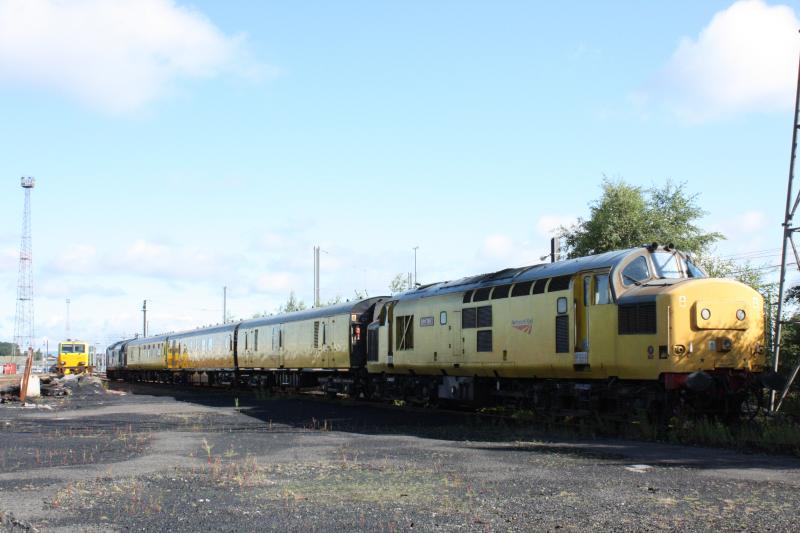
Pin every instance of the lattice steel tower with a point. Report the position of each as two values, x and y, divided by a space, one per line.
23 322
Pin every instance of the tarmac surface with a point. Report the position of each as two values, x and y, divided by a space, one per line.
149 458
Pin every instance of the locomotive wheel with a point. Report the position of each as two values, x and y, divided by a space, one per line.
752 404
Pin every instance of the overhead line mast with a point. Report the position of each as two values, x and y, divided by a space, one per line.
788 232
23 319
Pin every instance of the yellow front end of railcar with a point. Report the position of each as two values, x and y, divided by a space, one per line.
73 357
714 324
703 324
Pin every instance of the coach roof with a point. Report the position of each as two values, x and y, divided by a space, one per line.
356 306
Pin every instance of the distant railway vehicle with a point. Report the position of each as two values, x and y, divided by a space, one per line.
643 327
74 356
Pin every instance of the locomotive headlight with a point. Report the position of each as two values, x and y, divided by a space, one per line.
705 313
740 314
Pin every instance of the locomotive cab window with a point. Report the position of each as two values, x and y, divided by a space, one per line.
668 265
587 289
602 291
636 272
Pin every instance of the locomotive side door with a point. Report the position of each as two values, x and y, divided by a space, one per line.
602 323
595 320
390 331
456 335
582 289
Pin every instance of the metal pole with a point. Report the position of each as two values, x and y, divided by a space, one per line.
316 276
787 235
415 265
225 305
144 319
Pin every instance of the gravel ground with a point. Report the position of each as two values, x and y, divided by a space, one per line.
159 460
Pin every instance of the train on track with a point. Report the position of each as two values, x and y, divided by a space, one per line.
75 357
643 328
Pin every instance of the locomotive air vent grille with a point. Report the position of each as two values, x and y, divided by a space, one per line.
468 318
637 318
485 340
562 334
485 316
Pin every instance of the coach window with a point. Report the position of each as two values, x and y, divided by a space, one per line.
443 318
405 330
602 294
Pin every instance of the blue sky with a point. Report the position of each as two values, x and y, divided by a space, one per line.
183 146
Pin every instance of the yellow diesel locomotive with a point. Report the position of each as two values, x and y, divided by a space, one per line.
595 331
643 326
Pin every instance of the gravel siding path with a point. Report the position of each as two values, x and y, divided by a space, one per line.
153 461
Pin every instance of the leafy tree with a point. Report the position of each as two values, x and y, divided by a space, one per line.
790 336
292 304
399 284
746 273
333 301
627 216
7 348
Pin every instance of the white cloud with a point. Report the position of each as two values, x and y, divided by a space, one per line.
547 224
117 55
8 257
159 260
276 282
502 251
497 245
60 288
744 60
77 259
